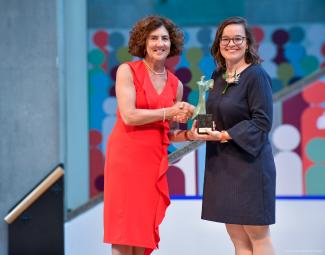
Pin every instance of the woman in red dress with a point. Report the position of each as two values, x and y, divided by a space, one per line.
136 191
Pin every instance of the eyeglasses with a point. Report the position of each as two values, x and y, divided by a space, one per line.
238 40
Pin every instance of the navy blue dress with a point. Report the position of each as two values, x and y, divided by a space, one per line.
239 182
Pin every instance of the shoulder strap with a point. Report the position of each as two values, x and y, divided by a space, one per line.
174 81
137 73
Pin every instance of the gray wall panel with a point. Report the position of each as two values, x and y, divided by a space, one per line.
29 100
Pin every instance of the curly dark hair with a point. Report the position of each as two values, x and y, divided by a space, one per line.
251 54
142 29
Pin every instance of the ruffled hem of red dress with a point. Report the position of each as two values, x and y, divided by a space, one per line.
162 186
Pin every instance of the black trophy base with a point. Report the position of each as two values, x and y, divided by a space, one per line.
204 123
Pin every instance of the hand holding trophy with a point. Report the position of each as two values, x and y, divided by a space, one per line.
204 120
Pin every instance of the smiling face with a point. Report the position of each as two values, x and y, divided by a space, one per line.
233 43
158 44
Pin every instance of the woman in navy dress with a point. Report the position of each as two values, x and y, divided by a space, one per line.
239 183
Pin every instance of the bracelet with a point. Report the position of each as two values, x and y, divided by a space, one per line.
164 114
186 136
223 137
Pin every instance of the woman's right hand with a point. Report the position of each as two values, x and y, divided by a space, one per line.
182 112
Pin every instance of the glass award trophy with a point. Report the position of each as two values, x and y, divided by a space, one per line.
204 120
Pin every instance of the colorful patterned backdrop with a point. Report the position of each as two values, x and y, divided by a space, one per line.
290 52
299 140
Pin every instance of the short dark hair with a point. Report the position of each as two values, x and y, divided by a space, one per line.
142 29
251 54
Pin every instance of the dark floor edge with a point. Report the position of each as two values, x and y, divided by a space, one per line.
93 202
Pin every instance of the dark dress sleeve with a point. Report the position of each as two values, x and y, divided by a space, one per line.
252 134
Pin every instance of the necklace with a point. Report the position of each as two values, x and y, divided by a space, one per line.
153 71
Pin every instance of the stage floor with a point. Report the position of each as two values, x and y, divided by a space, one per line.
300 229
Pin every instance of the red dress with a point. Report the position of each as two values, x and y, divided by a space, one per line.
136 192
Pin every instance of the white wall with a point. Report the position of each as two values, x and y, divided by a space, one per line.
300 229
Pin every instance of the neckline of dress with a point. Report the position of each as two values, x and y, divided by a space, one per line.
153 71
151 83
242 71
